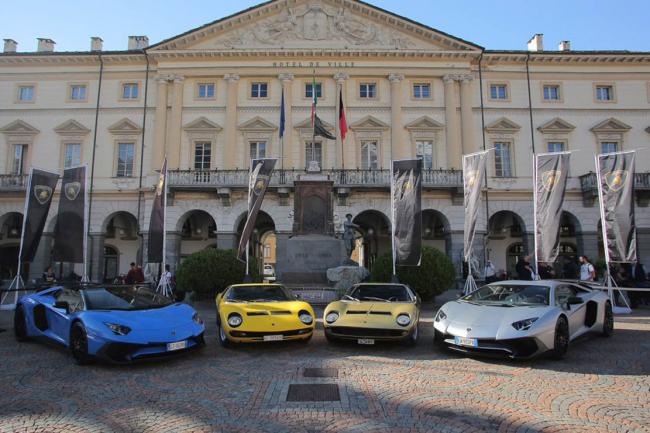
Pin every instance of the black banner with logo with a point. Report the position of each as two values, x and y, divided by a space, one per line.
42 185
156 242
551 173
407 211
260 177
70 221
616 186
473 177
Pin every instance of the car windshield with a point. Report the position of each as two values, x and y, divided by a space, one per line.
380 292
258 294
125 298
509 295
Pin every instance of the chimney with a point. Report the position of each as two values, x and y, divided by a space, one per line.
138 42
564 46
536 43
10 46
45 45
96 43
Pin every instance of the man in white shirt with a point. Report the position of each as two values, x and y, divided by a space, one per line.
587 270
490 272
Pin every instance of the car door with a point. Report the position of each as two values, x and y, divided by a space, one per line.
58 318
576 312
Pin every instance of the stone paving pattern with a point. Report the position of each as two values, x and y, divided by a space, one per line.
602 386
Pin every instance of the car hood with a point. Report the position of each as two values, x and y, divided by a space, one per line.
174 315
259 307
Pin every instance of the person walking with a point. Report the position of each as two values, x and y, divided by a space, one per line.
587 270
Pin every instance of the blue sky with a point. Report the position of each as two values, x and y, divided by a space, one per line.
494 24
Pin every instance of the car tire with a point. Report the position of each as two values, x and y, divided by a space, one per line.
200 341
412 339
608 320
438 338
79 344
20 324
561 338
223 338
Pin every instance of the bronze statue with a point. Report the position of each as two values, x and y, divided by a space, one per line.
349 235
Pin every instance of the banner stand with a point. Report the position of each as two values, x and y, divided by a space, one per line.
17 285
470 282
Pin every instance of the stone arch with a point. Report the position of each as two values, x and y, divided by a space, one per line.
436 230
264 227
373 237
10 231
505 228
198 231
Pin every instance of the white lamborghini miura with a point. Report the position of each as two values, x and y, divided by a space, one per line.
523 319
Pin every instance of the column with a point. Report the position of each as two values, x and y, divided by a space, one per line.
175 124
342 159
160 123
287 160
173 250
398 149
42 258
466 114
588 245
227 240
451 124
231 158
457 240
96 257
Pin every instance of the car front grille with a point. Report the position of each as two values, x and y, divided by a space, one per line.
379 313
349 331
244 334
518 347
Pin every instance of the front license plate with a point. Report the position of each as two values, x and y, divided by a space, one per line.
366 341
179 345
463 341
273 338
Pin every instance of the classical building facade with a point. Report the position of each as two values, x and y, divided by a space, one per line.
210 99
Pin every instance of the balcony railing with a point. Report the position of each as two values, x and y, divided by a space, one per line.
589 182
342 178
13 182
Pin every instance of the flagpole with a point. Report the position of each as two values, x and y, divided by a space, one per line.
313 117
247 276
84 277
392 218
535 159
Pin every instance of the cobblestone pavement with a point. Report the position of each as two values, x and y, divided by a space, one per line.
602 386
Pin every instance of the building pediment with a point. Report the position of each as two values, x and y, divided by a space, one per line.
611 125
306 124
556 126
257 124
425 123
71 127
309 24
369 123
503 125
125 126
19 127
202 124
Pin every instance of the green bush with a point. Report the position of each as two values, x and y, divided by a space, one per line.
211 270
435 274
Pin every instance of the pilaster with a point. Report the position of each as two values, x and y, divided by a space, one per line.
173 250
97 257
230 128
452 131
341 151
466 114
175 123
286 151
160 122
398 148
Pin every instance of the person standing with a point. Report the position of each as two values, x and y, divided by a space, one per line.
587 270
135 275
49 277
570 269
524 271
490 272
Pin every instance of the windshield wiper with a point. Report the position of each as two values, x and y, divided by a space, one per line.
350 298
237 300
372 298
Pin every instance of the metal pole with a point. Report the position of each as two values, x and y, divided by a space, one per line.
92 167
144 127
84 277
392 216
535 215
485 178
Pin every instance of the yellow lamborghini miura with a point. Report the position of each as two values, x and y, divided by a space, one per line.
248 313
371 312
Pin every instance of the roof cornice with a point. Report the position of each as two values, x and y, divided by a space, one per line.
505 56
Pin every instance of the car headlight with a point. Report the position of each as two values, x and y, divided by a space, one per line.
332 317
305 317
197 318
440 316
524 325
403 320
234 320
118 329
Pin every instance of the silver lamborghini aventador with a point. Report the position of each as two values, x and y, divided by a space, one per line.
523 319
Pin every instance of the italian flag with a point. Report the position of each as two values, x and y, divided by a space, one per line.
314 100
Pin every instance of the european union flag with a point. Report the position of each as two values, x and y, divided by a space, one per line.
282 116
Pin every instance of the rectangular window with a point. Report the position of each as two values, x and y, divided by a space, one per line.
552 92
314 154
604 93
202 155
309 90
206 91
499 91
424 151
78 92
71 155
258 149
368 90
502 160
259 90
18 163
125 159
130 91
26 93
556 146
369 155
609 147
422 91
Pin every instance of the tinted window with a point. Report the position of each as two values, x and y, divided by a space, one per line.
392 293
510 295
125 298
258 294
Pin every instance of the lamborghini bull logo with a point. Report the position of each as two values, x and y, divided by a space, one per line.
161 184
616 179
260 184
470 178
550 179
71 190
42 193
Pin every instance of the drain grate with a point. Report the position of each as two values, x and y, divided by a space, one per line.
314 392
320 372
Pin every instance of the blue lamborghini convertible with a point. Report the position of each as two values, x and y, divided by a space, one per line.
119 324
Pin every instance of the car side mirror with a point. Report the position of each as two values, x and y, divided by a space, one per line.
63 305
574 300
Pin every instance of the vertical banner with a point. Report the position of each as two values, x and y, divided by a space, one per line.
616 192
551 174
156 244
70 221
473 178
407 211
260 178
42 185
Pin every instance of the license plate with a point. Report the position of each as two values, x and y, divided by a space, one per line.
179 345
366 341
273 338
463 341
